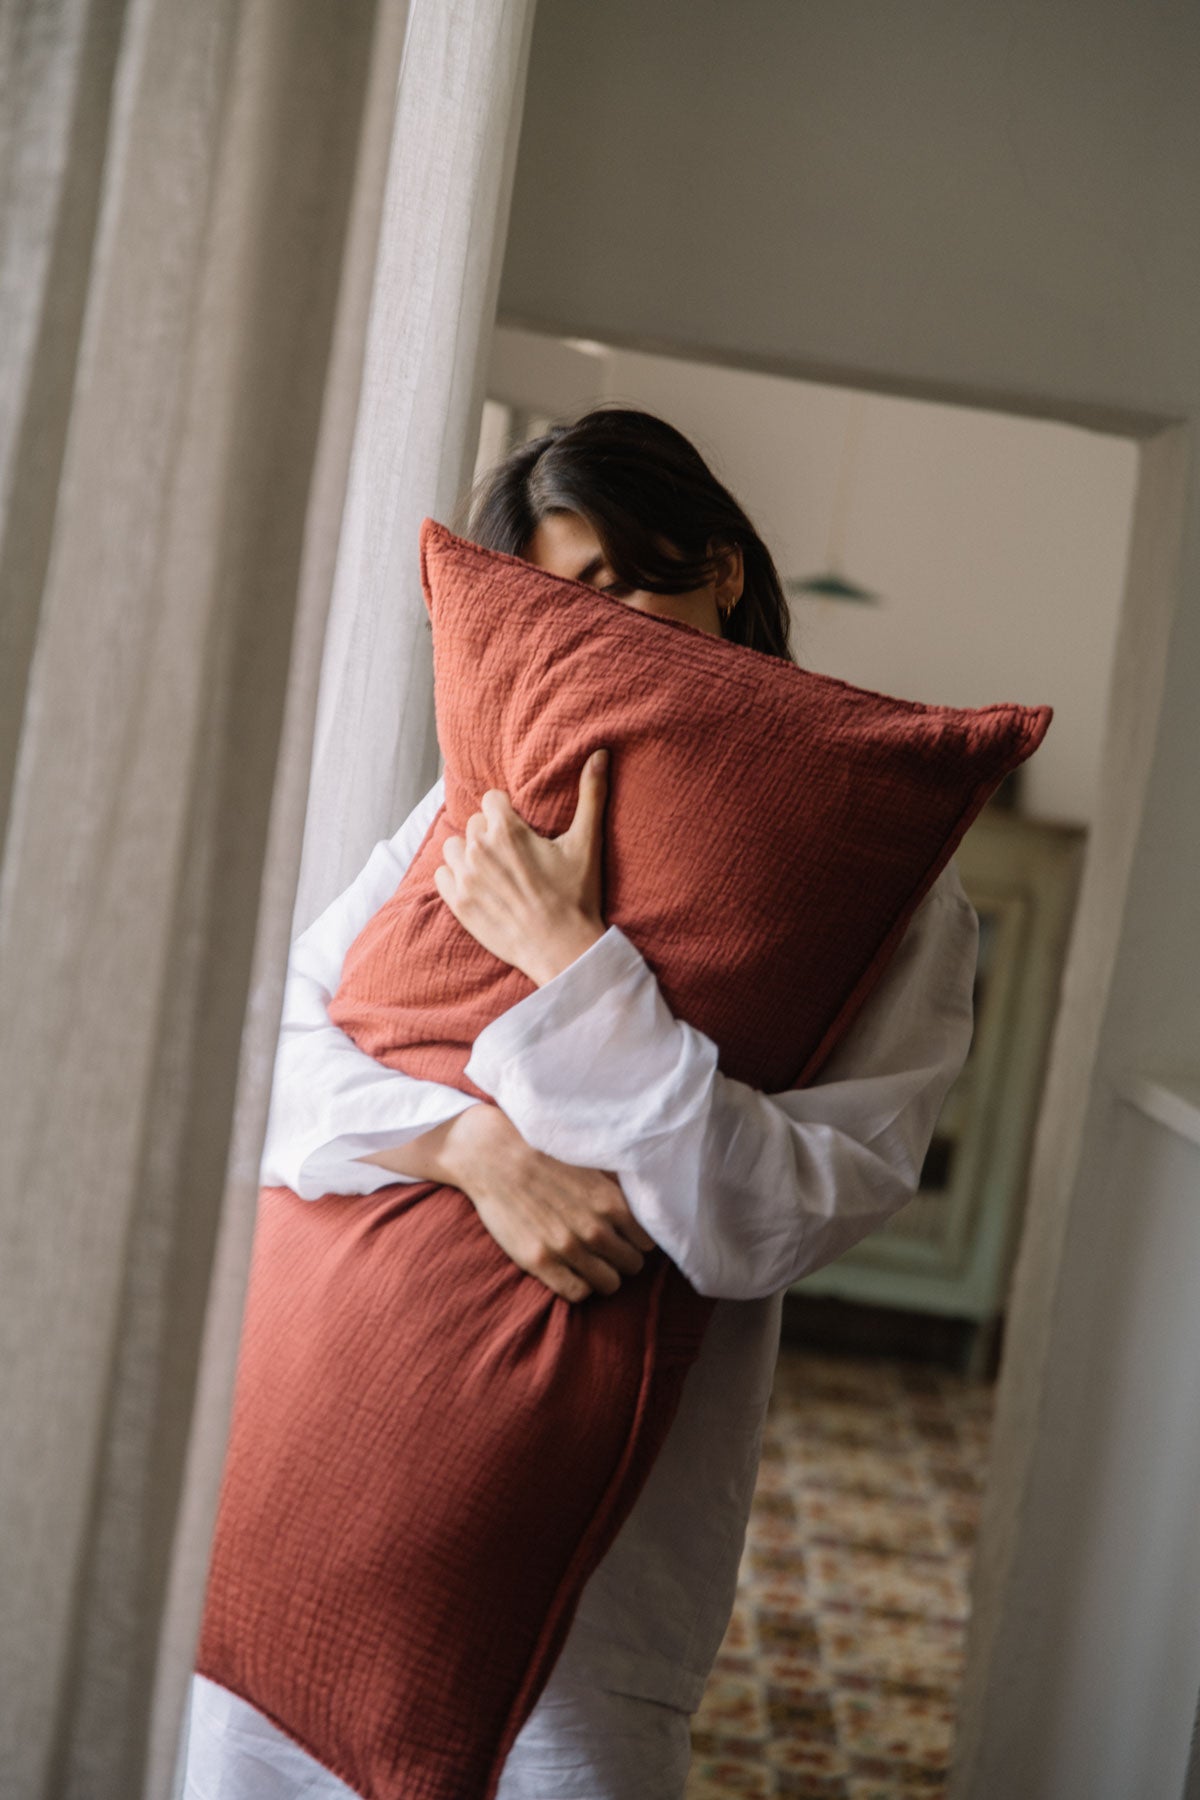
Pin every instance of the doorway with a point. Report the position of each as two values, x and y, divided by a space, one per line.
846 508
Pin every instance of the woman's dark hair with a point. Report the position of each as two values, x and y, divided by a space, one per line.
637 481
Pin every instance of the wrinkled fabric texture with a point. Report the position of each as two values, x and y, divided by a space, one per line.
430 1452
785 1182
767 903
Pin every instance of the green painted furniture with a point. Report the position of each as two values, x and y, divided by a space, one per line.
950 1249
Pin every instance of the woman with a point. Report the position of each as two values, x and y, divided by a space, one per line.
745 1191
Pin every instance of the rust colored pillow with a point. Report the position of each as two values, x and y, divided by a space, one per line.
430 1452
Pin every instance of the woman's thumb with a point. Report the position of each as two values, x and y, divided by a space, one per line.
592 791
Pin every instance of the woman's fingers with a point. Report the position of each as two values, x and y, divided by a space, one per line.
562 1260
570 1227
637 1234
596 1272
616 1210
597 1228
524 1243
571 1250
556 1274
597 1238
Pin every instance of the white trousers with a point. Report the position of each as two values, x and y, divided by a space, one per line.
583 1743
580 1742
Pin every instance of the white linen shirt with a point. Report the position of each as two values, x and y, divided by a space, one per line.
745 1191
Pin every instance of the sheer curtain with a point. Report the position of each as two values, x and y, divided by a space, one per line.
249 254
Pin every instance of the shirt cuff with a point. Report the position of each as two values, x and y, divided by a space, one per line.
593 1066
597 976
333 1166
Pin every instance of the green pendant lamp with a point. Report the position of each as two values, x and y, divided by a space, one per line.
832 583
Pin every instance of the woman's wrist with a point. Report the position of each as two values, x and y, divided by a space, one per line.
559 950
445 1152
434 1156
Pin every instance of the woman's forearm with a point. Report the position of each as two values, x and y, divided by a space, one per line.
434 1156
451 1152
570 1227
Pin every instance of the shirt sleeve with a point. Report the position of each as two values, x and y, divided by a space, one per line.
745 1191
330 1101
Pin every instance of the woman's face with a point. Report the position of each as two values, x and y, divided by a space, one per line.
565 544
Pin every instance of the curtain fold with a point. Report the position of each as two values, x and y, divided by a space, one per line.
437 277
247 278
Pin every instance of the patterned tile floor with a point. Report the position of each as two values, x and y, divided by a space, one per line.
838 1674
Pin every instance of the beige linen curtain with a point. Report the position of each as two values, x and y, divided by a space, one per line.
249 255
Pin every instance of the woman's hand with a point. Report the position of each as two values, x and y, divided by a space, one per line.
534 902
570 1227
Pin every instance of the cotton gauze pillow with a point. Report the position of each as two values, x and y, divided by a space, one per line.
768 831
430 1452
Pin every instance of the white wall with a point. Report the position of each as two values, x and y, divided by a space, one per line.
1121 1676
982 199
997 544
980 205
